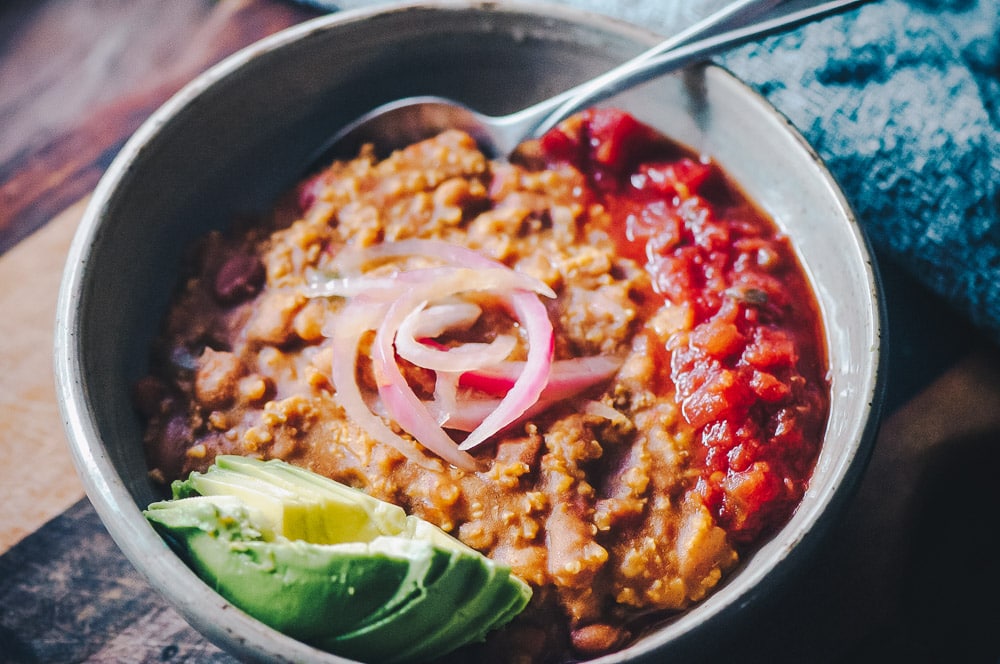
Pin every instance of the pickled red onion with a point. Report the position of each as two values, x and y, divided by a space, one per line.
529 385
566 376
412 302
400 401
527 308
346 339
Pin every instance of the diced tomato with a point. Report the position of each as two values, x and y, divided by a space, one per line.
746 492
617 139
718 337
604 143
565 143
771 348
768 387
723 393
676 178
738 368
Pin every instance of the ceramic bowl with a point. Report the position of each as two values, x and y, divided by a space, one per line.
241 133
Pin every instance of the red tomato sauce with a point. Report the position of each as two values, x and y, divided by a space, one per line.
750 369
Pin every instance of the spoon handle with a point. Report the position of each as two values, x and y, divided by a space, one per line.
736 24
733 15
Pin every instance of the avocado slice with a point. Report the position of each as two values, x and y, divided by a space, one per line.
278 511
333 566
497 601
382 641
348 514
296 587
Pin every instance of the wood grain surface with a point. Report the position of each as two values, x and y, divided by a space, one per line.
37 476
78 78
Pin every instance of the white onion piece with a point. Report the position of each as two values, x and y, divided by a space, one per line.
433 321
465 357
444 405
352 260
385 287
601 409
495 276
349 286
465 415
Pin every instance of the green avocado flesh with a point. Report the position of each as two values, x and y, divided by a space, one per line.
332 566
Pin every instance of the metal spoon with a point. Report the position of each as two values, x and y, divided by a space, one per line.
408 120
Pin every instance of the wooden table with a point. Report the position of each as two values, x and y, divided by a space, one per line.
905 574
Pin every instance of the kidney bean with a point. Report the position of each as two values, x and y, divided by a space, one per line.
240 277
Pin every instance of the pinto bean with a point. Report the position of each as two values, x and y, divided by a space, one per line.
216 381
597 638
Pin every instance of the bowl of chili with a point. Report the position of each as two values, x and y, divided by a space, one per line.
760 310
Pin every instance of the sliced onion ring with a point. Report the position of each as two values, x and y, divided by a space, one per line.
527 308
358 317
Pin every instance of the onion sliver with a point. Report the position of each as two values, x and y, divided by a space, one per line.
566 376
495 276
434 321
567 380
352 260
601 409
465 415
358 318
349 286
461 358
529 385
385 287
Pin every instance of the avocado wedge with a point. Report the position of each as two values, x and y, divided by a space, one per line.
493 605
333 566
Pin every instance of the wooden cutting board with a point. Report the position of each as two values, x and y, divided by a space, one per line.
37 476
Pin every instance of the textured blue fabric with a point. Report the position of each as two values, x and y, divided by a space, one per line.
902 101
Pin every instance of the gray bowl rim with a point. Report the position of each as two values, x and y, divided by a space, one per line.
239 633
